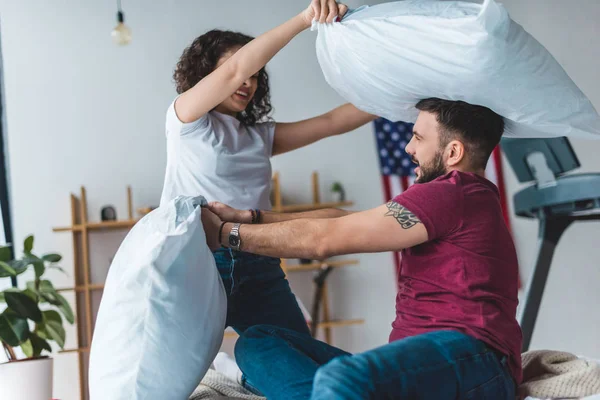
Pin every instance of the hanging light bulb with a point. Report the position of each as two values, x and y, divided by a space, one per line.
121 34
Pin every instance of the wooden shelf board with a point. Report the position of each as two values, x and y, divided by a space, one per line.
318 265
98 226
82 350
311 206
112 224
328 324
95 286
74 228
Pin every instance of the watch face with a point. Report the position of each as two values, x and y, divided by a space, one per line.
234 241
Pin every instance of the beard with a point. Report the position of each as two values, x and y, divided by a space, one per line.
433 170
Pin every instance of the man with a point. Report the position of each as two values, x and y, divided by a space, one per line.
455 333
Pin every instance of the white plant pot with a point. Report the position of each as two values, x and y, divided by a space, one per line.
26 380
336 196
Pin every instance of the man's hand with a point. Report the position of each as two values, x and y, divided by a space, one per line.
211 224
230 214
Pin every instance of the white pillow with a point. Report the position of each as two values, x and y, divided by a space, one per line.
162 315
386 58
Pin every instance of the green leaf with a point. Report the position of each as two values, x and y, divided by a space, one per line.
38 264
48 293
51 315
27 348
2 299
28 244
13 329
5 253
23 305
7 268
40 330
66 309
46 286
56 332
32 295
53 258
50 298
39 268
39 344
18 265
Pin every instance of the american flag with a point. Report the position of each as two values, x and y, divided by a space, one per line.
398 170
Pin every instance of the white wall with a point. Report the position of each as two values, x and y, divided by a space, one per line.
569 317
82 111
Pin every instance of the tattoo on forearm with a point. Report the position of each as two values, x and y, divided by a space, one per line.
405 218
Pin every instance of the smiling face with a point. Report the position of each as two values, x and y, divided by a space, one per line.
425 148
453 136
238 101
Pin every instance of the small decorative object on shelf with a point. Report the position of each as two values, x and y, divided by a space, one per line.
108 213
338 193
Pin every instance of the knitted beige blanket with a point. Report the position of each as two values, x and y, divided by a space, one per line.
215 386
555 374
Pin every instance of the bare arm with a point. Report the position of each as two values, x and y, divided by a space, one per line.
226 79
291 136
229 214
269 217
390 227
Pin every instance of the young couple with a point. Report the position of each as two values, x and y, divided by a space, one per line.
455 334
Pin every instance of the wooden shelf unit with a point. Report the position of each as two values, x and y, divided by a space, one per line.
316 204
80 228
326 322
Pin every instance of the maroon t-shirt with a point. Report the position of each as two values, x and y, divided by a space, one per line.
465 277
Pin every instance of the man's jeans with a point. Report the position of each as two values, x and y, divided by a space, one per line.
257 292
286 365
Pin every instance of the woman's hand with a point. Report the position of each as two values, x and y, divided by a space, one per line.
230 214
324 11
211 224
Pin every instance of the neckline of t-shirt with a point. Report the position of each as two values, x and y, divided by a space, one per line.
482 179
231 117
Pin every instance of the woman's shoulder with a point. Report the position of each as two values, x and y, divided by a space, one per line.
175 125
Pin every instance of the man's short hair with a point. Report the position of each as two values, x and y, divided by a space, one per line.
477 127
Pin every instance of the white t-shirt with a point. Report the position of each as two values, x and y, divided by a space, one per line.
219 158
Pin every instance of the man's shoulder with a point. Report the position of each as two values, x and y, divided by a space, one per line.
449 183
459 182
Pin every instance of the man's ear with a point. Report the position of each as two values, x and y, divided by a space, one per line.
456 153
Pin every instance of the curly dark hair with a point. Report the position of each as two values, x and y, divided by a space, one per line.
200 59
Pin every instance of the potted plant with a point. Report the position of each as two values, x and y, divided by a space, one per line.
337 190
31 319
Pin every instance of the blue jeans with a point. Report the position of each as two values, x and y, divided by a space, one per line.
284 364
257 292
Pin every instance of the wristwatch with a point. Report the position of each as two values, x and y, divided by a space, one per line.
234 237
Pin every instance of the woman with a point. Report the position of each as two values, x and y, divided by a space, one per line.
220 140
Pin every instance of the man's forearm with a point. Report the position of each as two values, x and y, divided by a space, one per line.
288 239
269 217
